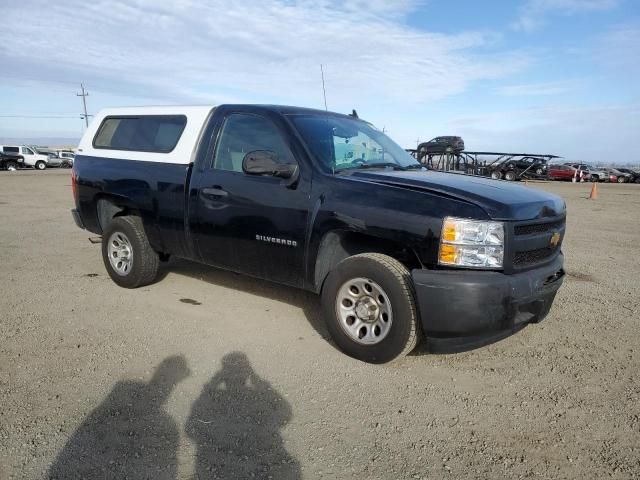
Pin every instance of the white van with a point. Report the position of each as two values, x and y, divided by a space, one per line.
30 155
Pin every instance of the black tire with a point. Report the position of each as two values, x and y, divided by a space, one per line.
145 261
621 179
40 165
496 175
11 165
395 279
510 176
539 171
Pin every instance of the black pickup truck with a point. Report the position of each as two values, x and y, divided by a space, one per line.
10 161
328 203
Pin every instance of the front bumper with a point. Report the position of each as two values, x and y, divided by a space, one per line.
464 309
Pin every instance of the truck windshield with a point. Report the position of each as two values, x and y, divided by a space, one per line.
341 144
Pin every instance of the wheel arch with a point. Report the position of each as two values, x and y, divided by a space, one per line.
110 206
336 245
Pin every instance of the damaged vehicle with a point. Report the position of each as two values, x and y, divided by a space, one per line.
324 202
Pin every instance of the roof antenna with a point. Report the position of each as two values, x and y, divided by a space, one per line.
354 114
324 92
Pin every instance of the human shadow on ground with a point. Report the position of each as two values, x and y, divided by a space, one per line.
308 302
235 425
129 435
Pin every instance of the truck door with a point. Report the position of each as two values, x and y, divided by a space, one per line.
249 223
29 156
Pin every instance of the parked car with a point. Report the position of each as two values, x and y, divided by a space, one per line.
562 172
439 145
61 158
31 158
59 162
10 161
595 174
620 176
514 169
287 194
69 155
634 176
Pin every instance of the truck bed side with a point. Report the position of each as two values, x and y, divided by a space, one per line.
156 191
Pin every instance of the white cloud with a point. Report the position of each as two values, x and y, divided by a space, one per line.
534 12
254 50
536 89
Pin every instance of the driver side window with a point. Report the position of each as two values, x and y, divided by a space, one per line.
243 133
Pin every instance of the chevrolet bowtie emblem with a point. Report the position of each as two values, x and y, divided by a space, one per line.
555 239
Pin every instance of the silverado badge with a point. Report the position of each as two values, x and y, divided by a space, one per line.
555 239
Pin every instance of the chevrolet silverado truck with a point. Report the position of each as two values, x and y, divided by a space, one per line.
327 203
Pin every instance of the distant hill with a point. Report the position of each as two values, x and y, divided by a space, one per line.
42 141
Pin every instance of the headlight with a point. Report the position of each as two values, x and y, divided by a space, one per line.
471 243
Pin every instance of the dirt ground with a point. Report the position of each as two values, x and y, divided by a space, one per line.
208 374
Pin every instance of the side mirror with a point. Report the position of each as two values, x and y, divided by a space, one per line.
265 162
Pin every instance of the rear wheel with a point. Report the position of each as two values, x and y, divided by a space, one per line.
621 180
40 165
11 166
127 254
496 175
369 308
510 176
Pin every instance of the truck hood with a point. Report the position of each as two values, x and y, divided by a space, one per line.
501 200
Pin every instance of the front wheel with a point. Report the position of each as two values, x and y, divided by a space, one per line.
127 254
40 165
369 308
510 176
621 180
496 175
11 166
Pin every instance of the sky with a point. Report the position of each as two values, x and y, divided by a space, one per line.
535 76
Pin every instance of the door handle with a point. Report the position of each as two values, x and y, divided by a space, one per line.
215 191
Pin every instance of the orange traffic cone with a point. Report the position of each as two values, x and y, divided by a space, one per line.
594 191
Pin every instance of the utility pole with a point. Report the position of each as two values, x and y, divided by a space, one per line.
84 96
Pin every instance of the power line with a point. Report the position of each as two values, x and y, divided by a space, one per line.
42 116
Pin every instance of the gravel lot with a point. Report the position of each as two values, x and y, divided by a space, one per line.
208 374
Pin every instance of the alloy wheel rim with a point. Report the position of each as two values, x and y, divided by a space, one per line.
364 311
120 253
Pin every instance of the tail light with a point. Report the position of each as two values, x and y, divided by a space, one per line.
74 188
